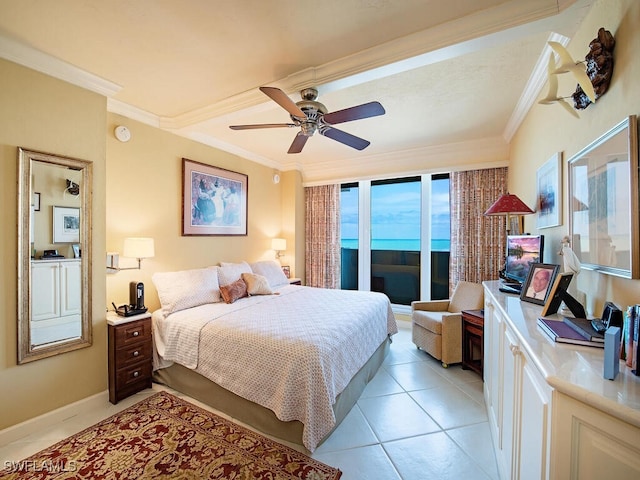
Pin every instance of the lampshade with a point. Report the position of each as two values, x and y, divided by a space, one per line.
508 204
138 247
278 244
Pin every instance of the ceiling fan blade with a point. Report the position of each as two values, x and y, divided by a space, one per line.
298 143
366 110
346 138
261 125
283 100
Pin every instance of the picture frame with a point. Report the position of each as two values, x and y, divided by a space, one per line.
36 202
76 250
66 225
549 192
287 271
539 282
214 200
604 225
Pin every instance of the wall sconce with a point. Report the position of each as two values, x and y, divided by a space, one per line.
134 247
279 245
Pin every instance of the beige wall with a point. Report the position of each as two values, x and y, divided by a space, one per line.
548 129
48 115
144 198
136 192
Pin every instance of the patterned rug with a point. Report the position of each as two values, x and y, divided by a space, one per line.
166 437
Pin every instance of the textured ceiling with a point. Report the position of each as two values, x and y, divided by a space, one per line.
450 74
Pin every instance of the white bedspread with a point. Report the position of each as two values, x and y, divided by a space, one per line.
292 353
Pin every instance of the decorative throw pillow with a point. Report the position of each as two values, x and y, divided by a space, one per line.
231 272
186 288
257 284
234 291
272 270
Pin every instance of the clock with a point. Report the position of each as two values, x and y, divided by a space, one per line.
122 133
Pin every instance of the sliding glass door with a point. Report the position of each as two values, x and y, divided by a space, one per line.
395 237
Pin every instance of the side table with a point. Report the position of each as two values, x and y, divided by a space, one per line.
130 355
473 340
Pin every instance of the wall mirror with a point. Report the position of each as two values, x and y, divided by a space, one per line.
54 251
603 202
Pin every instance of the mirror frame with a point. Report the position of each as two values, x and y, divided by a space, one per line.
27 352
599 154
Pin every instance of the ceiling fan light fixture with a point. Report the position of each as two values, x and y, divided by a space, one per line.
309 115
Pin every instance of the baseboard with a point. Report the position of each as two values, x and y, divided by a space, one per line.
41 422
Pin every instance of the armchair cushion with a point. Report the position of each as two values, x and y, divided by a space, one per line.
466 296
431 305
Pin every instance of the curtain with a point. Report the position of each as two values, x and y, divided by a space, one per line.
478 242
322 236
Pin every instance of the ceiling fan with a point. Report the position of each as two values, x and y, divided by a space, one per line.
311 116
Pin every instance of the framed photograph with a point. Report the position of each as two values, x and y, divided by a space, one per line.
603 202
214 200
36 202
549 192
539 282
76 250
66 225
286 270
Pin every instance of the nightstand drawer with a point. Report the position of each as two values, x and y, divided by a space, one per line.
132 332
131 354
137 373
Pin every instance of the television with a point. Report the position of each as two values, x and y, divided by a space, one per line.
522 252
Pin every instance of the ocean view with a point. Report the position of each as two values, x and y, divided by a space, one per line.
410 245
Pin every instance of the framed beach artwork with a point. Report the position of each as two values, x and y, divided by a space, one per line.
549 192
214 200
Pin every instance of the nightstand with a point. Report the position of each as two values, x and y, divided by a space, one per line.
295 281
473 340
130 355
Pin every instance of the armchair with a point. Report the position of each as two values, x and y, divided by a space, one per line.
436 325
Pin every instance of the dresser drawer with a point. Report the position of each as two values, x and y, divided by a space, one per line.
135 353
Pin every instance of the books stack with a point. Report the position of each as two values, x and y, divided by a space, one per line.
630 338
576 331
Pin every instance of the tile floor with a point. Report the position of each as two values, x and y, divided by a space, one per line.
414 420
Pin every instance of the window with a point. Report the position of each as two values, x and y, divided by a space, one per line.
395 237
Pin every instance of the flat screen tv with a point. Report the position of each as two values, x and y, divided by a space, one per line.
522 251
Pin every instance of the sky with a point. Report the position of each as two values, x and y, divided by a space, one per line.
396 211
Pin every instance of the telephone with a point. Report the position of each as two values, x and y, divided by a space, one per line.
136 301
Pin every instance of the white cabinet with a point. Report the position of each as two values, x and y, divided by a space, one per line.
56 300
551 413
517 399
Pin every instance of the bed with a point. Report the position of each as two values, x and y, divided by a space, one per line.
288 360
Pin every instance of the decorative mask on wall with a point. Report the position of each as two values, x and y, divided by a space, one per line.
593 75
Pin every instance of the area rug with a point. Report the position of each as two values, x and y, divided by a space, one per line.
167 437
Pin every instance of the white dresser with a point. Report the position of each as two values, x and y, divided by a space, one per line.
551 412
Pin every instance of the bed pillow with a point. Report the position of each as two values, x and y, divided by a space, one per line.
256 284
231 272
187 288
234 291
272 270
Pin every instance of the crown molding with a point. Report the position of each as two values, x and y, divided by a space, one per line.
134 113
36 60
532 89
